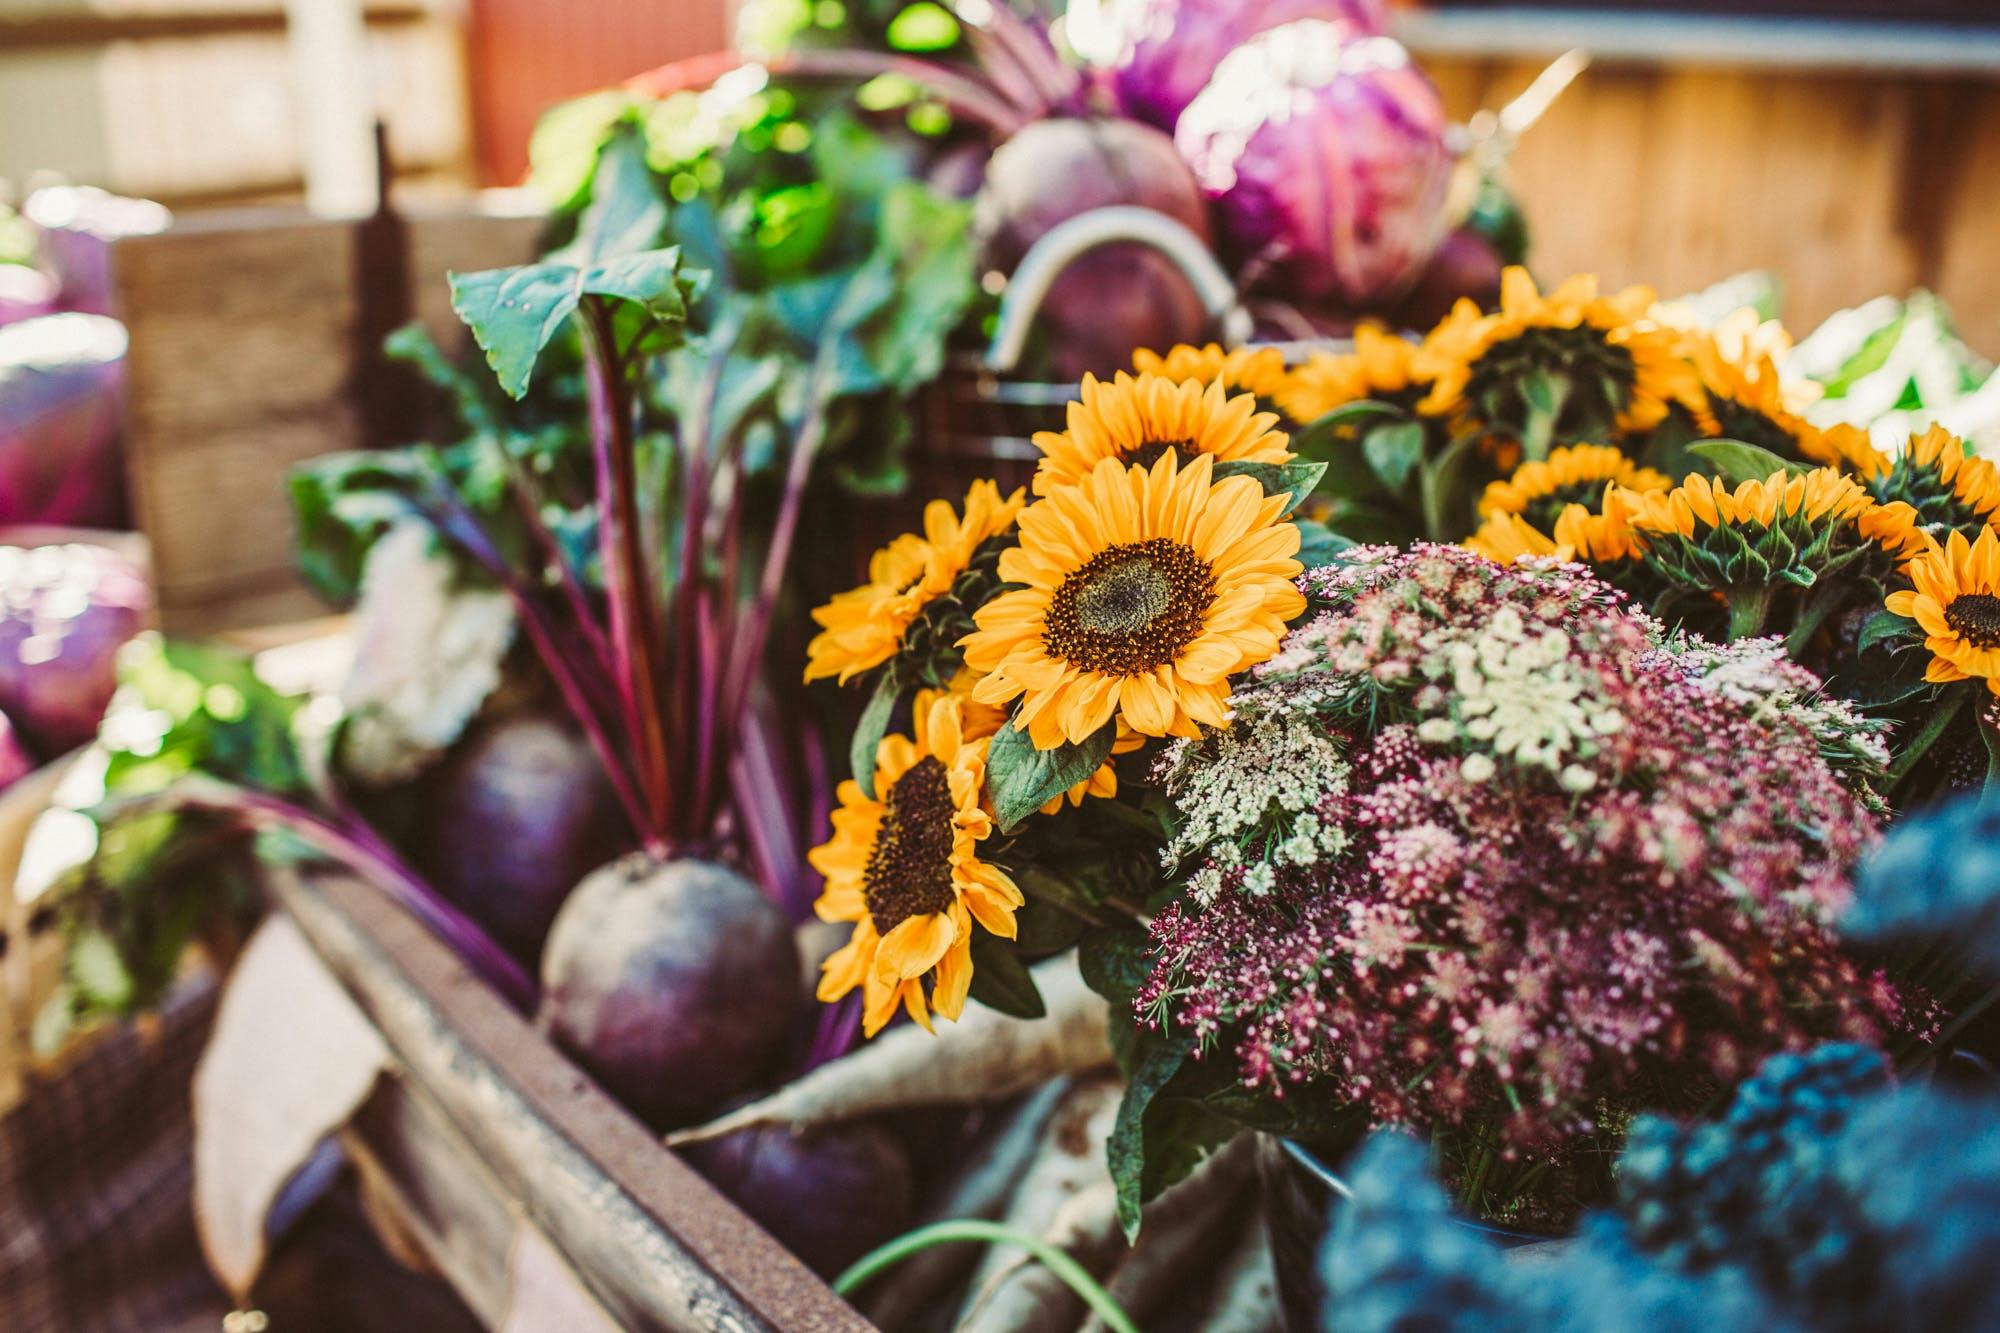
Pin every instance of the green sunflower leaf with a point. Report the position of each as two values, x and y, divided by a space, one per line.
1394 451
1021 779
1736 462
1001 981
1296 479
1882 627
870 730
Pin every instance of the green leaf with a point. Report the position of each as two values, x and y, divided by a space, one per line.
870 730
1883 627
514 312
1735 462
1043 928
923 26
1158 1139
1296 479
1021 779
626 214
1115 964
1001 981
340 504
1394 450
1318 544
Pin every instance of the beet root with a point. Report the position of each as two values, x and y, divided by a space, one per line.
673 984
829 1196
517 814
1118 297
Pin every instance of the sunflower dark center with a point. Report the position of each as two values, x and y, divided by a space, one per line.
1150 453
1130 608
909 871
1975 617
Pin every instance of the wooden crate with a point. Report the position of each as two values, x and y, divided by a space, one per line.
252 332
493 1156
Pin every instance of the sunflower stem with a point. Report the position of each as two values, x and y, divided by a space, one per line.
1989 731
1538 432
1921 743
1812 616
1055 1260
1748 607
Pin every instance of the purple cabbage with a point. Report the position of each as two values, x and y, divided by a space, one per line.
1326 156
1163 52
15 761
25 293
64 613
61 378
75 226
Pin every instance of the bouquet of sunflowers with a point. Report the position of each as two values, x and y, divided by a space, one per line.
1475 733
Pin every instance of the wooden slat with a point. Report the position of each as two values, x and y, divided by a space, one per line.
1847 184
245 360
658 1246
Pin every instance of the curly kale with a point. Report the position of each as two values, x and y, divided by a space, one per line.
1820 1200
1935 877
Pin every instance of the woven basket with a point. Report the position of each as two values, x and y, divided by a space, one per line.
980 417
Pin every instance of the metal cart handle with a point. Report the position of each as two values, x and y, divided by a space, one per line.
1065 242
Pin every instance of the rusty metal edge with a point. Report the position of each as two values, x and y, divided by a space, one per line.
657 1244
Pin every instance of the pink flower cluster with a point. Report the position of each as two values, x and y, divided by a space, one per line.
1568 874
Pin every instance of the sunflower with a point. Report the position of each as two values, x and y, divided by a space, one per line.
863 627
1951 490
1253 370
1788 528
1144 589
1137 419
1505 538
1382 368
1745 398
1956 602
1540 489
1603 536
1612 360
905 869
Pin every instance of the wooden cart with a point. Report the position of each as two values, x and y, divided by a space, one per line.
488 1141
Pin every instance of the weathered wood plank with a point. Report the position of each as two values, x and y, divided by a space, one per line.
659 1248
247 358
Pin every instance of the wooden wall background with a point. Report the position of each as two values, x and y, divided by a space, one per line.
1849 185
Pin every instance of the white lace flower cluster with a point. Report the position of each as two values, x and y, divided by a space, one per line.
1515 693
1246 795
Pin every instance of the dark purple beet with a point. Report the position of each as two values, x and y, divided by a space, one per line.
828 1196
1464 265
515 816
1118 297
674 984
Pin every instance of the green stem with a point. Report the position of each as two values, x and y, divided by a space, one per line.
1538 432
1812 616
1921 743
1748 606
1989 731
939 1233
